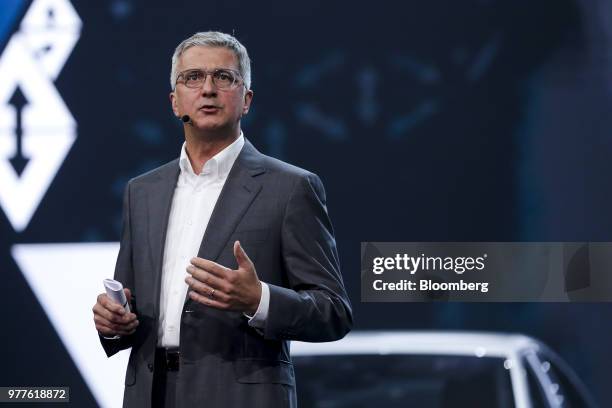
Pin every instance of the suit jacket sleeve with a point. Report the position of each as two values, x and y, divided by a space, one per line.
124 273
315 306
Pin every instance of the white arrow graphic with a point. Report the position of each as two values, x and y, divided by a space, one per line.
66 279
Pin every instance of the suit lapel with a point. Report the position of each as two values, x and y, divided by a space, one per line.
159 202
240 188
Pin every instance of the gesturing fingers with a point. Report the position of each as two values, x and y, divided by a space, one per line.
241 256
211 267
207 290
223 288
208 278
208 300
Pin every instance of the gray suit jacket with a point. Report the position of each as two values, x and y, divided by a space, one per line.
278 213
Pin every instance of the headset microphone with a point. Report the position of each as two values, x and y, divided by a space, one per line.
186 119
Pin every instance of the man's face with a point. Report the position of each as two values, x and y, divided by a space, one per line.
210 108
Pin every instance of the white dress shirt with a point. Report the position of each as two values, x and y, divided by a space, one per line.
195 196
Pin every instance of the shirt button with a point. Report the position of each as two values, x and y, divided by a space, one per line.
171 328
150 367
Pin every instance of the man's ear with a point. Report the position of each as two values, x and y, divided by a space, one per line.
248 97
174 104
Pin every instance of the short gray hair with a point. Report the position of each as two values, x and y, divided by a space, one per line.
214 39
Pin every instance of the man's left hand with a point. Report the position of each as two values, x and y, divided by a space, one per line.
223 288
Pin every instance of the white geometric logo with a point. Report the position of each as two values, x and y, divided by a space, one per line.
36 128
36 132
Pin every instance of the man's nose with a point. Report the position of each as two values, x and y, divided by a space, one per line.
208 88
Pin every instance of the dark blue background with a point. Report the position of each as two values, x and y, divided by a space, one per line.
427 121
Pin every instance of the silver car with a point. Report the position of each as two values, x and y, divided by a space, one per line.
435 369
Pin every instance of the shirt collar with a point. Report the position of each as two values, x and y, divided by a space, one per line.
219 165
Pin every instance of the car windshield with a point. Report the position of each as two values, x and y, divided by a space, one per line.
390 381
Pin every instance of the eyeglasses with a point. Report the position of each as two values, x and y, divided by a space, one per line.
222 78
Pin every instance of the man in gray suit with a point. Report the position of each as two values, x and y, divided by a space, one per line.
226 254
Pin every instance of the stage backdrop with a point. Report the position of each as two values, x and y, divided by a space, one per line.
427 121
